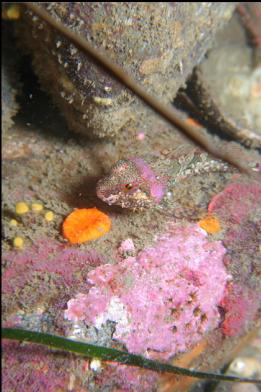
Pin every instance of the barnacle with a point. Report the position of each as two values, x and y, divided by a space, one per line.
85 224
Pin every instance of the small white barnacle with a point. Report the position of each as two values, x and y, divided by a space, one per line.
95 365
181 66
58 44
103 101
59 58
169 195
73 50
79 66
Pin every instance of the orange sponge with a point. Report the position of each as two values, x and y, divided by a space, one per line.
210 224
85 224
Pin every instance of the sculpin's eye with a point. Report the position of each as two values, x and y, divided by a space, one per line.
128 187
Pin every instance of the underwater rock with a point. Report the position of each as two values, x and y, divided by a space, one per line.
10 80
157 43
225 87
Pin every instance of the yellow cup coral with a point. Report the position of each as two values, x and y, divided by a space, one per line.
13 222
85 224
21 208
49 216
36 207
18 242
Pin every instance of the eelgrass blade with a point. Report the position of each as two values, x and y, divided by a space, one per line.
110 354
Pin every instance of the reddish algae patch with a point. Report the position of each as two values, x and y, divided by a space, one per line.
33 367
240 307
60 261
238 206
236 202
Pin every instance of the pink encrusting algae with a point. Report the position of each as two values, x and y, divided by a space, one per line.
236 202
127 378
238 207
164 300
126 246
46 257
240 307
31 367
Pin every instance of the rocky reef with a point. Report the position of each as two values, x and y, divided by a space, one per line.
157 43
178 281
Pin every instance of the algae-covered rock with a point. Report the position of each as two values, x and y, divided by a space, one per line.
10 79
226 91
225 87
157 43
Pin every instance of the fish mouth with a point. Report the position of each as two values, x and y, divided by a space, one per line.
110 199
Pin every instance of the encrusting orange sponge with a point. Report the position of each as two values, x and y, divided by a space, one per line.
210 224
85 224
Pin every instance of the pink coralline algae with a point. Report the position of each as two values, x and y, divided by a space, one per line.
127 246
59 261
240 307
237 202
238 206
123 378
34 368
164 300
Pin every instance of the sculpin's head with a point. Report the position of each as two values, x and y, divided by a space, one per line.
132 184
